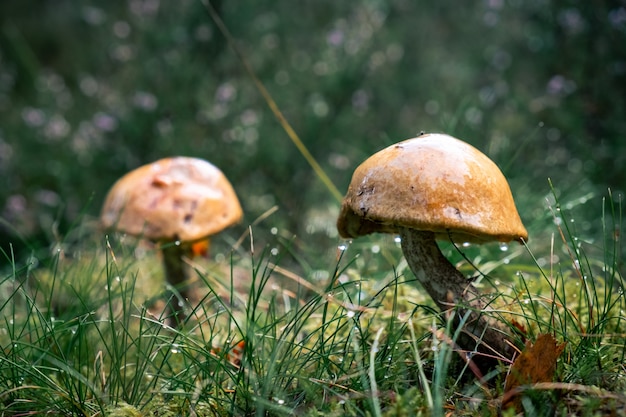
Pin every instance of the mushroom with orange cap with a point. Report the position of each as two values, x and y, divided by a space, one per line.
175 202
438 187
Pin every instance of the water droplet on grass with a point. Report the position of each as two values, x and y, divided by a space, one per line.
504 246
466 244
350 313
397 239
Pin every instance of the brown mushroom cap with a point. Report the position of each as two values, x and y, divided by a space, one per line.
432 183
179 198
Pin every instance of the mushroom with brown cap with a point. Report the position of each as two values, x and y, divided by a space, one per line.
438 187
175 202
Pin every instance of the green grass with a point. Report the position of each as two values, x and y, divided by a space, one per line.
83 333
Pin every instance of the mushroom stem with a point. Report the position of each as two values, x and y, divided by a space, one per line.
176 276
450 290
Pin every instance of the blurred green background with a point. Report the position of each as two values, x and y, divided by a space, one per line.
92 89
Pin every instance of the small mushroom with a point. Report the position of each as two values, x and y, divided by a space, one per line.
174 202
438 187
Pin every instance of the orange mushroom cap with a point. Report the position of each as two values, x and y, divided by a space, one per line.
178 198
432 183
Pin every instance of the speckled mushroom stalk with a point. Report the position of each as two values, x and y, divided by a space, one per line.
438 187
450 290
176 276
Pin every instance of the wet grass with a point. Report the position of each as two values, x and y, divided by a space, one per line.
84 333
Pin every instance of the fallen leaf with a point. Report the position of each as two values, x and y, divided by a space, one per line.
520 329
234 354
535 364
200 248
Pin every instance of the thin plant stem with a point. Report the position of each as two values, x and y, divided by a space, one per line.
319 171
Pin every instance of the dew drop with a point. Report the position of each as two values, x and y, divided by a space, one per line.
274 251
397 239
274 231
375 248
466 244
342 247
177 243
350 313
504 246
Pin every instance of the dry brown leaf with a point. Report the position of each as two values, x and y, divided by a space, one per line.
535 364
